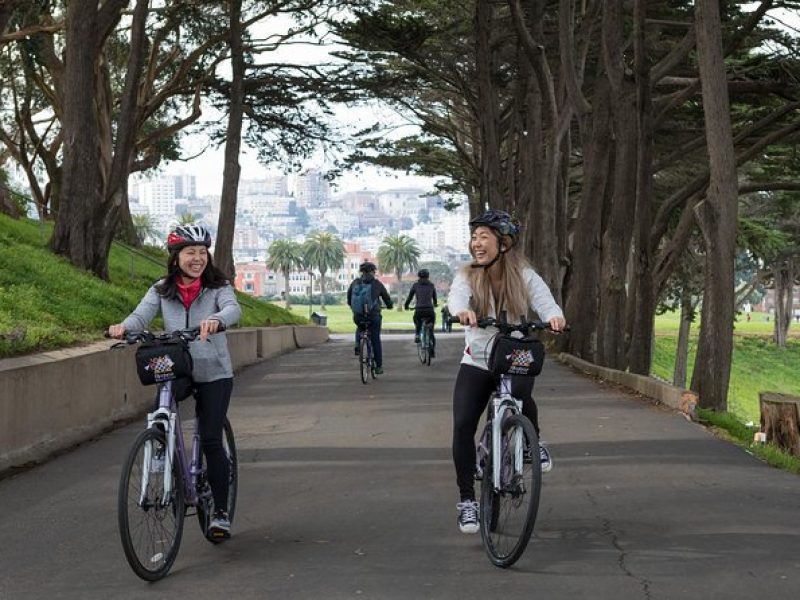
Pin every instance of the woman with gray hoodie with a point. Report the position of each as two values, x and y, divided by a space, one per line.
195 293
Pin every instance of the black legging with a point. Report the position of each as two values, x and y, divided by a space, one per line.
470 397
423 314
211 407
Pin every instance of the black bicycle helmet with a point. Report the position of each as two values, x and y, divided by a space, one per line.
367 267
499 220
188 235
423 273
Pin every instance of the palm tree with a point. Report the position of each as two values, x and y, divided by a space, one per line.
187 218
323 251
145 228
285 256
398 253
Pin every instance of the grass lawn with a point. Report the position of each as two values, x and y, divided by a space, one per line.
758 364
340 318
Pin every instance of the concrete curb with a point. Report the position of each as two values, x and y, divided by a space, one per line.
669 395
54 400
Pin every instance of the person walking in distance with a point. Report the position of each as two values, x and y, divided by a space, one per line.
498 281
364 298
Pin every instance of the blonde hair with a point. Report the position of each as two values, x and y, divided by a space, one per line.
513 294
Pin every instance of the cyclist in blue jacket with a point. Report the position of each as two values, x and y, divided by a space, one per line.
364 298
498 280
195 293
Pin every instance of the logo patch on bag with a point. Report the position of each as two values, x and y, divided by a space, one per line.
521 361
162 367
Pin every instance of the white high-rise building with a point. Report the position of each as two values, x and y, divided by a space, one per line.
455 225
312 190
158 195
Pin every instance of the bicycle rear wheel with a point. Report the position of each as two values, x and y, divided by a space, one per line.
206 508
150 525
509 513
364 359
428 329
421 348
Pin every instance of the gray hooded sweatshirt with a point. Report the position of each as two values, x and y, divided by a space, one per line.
212 360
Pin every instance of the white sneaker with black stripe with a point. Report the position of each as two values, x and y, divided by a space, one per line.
468 516
545 458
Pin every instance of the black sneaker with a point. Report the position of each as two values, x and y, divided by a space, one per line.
468 516
220 526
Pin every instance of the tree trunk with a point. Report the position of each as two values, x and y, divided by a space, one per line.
74 233
223 249
642 301
118 218
784 293
491 181
717 217
682 349
582 306
321 290
287 301
399 276
612 345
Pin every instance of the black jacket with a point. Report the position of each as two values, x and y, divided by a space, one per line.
425 292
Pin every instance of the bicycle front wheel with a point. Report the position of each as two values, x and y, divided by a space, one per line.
508 513
206 507
150 522
364 359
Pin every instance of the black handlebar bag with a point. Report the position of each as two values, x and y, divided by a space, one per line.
520 357
157 362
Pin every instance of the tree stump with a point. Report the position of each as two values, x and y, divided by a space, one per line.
780 420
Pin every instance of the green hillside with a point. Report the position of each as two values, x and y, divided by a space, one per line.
47 303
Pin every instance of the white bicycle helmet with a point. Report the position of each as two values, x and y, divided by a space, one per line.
188 235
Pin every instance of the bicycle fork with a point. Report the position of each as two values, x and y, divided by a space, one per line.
504 403
164 419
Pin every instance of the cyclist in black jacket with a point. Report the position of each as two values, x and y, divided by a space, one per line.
425 292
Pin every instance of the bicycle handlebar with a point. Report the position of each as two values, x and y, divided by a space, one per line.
506 328
186 335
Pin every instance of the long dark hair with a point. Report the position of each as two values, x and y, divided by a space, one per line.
212 277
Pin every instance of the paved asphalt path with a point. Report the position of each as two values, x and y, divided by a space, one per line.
348 491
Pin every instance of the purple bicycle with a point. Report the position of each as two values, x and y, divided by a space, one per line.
159 481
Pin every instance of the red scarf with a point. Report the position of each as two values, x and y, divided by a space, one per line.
190 291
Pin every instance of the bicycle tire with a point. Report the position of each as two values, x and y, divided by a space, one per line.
371 359
508 515
421 347
151 547
364 359
428 344
205 509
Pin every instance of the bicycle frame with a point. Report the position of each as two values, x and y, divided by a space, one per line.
166 418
